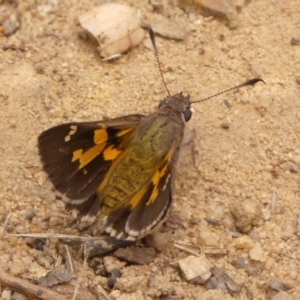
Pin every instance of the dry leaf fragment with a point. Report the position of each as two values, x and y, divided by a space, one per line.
114 26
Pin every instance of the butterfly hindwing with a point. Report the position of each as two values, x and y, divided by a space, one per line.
77 156
154 205
147 209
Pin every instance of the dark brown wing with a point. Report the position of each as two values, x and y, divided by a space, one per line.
76 156
147 209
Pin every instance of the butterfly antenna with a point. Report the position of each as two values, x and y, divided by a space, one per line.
248 82
152 38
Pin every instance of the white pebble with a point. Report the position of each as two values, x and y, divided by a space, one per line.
6 294
195 267
244 242
257 252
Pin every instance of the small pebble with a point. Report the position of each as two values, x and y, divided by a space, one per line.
11 25
179 291
245 215
17 267
225 125
228 222
227 103
251 267
100 271
35 243
244 242
44 260
18 296
257 252
290 166
266 215
110 263
295 42
222 37
283 296
207 237
217 8
245 97
56 276
6 295
213 221
148 44
156 240
216 211
220 280
136 255
276 284
288 232
195 268
30 214
167 27
269 263
256 69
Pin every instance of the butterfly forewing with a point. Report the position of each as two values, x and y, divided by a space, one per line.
76 156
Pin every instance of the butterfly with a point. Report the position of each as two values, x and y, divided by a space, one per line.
120 170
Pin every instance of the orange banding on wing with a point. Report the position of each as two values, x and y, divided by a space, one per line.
137 198
88 156
155 180
77 154
111 153
100 136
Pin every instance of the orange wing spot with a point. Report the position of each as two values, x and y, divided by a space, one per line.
111 153
155 180
100 136
163 170
153 196
77 154
88 156
137 198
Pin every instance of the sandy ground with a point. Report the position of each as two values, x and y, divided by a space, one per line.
52 75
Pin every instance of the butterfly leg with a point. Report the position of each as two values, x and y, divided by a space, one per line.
188 141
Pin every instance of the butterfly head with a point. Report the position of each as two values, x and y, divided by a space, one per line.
180 103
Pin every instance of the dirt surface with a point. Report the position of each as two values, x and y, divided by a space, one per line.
49 75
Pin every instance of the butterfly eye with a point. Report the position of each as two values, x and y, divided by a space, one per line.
187 114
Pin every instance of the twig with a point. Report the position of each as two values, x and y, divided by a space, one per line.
56 235
27 288
273 202
189 251
5 222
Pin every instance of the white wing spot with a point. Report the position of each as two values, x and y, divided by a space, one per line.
167 180
73 129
